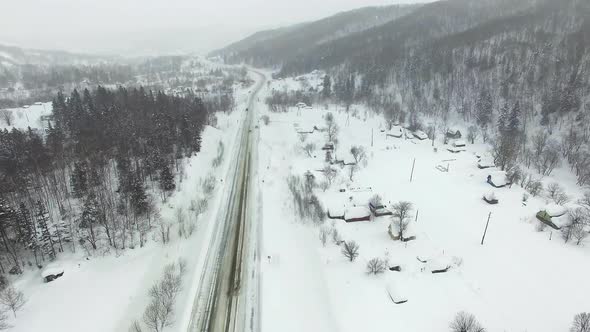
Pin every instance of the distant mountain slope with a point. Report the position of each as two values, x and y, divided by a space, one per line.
277 46
12 55
387 43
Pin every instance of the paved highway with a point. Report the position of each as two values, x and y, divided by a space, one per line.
220 302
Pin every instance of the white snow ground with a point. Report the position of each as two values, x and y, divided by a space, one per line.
519 280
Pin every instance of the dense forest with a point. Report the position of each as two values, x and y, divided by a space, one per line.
89 182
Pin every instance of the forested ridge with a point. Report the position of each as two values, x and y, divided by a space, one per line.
479 62
84 183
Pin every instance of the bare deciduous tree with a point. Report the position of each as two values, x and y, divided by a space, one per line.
330 174
335 236
324 233
401 217
164 231
12 299
159 313
180 219
581 322
358 153
3 320
7 116
376 266
549 159
472 134
585 201
465 322
135 327
350 250
577 220
376 200
540 141
332 128
352 169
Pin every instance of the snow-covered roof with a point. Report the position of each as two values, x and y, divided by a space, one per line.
357 212
490 195
360 197
459 143
439 263
485 162
53 270
396 295
555 210
499 178
409 134
420 134
336 210
455 149
395 131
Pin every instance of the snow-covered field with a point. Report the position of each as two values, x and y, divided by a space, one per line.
30 116
519 280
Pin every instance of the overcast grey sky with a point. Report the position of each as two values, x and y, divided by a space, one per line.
135 27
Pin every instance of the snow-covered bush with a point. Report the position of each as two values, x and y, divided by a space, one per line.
376 266
335 236
472 133
350 250
324 233
12 299
358 153
534 187
376 200
219 158
160 311
581 322
465 322
265 120
208 185
330 174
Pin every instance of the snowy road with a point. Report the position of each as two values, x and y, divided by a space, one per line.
221 301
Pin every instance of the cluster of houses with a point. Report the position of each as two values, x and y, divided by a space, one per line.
398 131
357 204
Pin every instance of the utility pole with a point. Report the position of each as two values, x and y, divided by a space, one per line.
412 174
371 137
486 230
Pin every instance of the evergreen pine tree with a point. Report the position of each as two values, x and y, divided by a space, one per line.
513 124
90 217
503 118
327 87
167 179
138 196
483 108
79 179
44 233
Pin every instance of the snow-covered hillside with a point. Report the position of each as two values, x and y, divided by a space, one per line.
521 270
